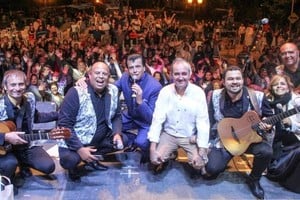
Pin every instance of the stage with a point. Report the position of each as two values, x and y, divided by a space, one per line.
130 180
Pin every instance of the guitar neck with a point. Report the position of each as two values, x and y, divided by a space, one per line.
276 118
35 136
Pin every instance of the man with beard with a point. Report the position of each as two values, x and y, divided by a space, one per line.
289 55
180 119
233 101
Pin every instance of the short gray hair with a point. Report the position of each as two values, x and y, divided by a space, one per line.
183 62
12 72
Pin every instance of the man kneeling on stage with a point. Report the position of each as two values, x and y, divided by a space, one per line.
94 118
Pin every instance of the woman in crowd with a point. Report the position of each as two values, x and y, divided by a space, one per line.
37 88
160 78
287 136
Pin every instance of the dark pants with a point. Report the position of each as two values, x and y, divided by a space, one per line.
138 140
141 141
218 159
8 165
69 159
292 181
36 158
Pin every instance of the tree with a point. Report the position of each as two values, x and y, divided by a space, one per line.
277 10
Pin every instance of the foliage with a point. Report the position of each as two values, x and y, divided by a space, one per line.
277 10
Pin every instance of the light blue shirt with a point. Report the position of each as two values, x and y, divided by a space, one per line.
181 116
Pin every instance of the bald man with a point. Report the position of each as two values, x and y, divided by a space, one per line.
289 54
94 118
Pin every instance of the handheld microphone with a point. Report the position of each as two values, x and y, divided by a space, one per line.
118 145
133 93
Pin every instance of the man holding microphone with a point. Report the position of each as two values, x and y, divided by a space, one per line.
140 91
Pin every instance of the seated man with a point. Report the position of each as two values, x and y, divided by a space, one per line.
94 118
8 161
180 114
140 91
233 101
17 115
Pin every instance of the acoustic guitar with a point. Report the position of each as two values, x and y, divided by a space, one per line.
8 126
237 134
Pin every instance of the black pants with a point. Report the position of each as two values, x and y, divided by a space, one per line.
69 159
218 159
292 181
36 157
8 165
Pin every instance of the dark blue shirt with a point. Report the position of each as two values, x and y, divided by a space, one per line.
71 107
141 114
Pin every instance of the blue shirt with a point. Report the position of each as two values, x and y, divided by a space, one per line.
139 114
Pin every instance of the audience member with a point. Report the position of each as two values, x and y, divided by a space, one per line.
289 54
54 95
286 140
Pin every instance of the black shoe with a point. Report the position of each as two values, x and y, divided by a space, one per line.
209 177
74 176
191 171
25 172
130 149
158 169
173 155
144 159
18 181
256 188
95 166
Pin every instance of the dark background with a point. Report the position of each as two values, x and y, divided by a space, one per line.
245 10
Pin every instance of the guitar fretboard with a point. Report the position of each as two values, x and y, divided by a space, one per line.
276 118
35 136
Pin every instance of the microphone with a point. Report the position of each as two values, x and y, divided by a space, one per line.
118 145
133 93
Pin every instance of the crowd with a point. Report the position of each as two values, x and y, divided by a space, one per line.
175 86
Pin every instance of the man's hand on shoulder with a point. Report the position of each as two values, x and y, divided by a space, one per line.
81 83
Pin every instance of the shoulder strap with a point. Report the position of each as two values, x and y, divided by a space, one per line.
222 100
253 100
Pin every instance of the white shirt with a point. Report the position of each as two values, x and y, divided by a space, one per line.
181 116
